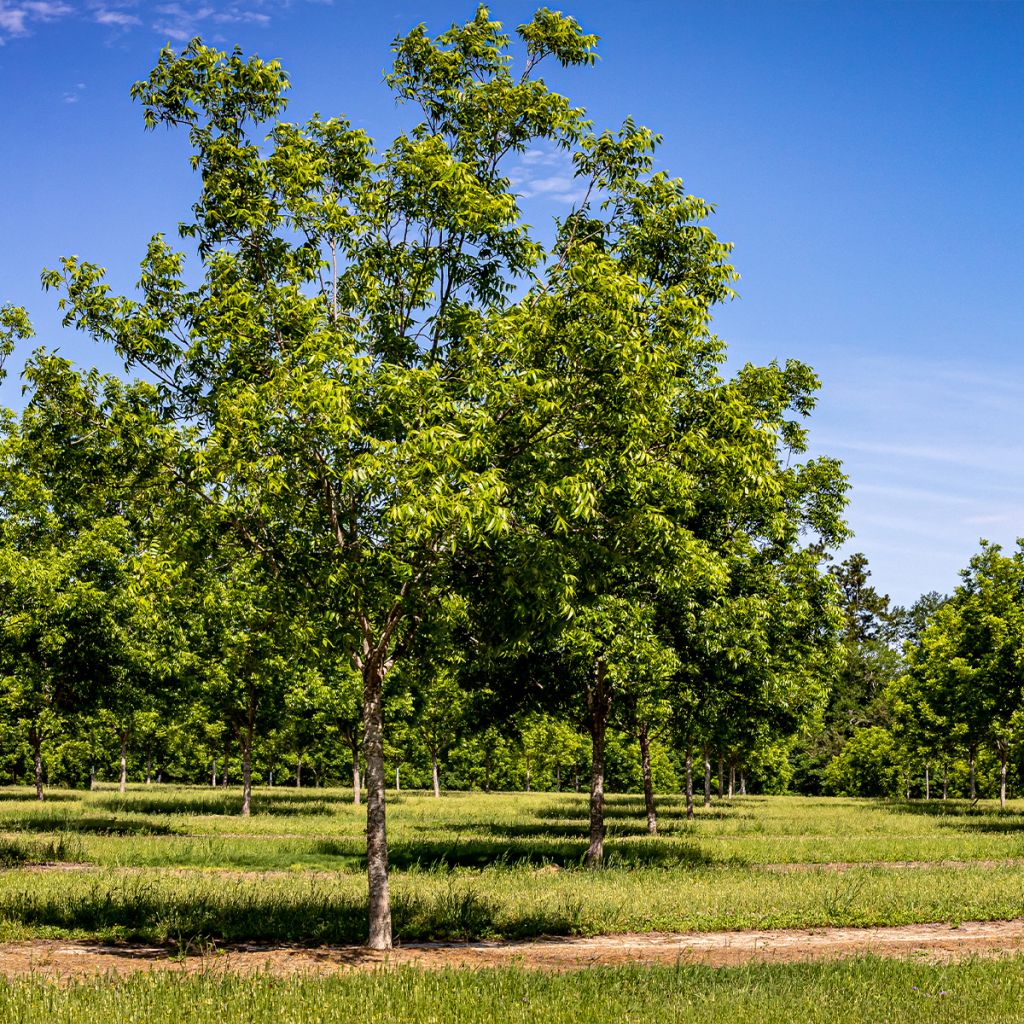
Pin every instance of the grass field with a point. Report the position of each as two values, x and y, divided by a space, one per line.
502 865
865 991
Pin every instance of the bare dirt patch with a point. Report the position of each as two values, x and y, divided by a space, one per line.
943 942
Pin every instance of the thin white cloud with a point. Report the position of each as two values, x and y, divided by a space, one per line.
116 19
18 17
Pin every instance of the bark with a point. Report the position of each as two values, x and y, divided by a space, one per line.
558 778
707 777
92 776
398 781
357 782
945 781
598 704
487 773
298 774
247 770
376 808
1002 781
149 771
37 757
122 785
645 764
527 780
213 774
689 783
436 777
721 777
743 783
974 792
732 780
927 784
575 780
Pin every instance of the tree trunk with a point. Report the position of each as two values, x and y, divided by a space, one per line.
487 773
213 774
37 756
598 705
247 770
945 781
927 784
1002 780
357 782
298 773
122 785
527 780
435 776
92 776
558 777
743 782
707 777
732 780
398 780
645 764
689 783
721 777
974 791
575 780
376 806
149 770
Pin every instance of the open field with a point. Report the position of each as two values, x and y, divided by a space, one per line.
867 990
469 866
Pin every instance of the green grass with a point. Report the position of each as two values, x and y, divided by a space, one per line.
476 865
865 991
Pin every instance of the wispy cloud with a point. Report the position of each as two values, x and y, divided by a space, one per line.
72 95
18 17
547 174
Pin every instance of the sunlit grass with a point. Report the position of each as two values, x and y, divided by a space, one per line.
864 991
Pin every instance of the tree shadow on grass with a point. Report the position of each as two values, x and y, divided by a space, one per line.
86 825
226 804
137 911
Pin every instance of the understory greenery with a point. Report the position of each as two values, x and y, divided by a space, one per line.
863 991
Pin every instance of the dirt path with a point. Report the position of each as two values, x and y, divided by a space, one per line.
54 958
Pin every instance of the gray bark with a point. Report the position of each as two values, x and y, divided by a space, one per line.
645 765
376 805
598 705
689 783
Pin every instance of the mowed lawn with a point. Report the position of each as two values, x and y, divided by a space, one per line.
179 866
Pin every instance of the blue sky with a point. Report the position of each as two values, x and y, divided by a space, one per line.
865 158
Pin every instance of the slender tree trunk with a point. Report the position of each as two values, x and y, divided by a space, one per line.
707 777
927 784
122 785
435 776
598 701
645 764
376 806
721 777
743 782
487 773
945 781
247 769
1002 780
732 779
149 770
213 774
92 776
974 791
558 777
37 755
357 782
298 773
576 780
527 778
398 780
689 782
